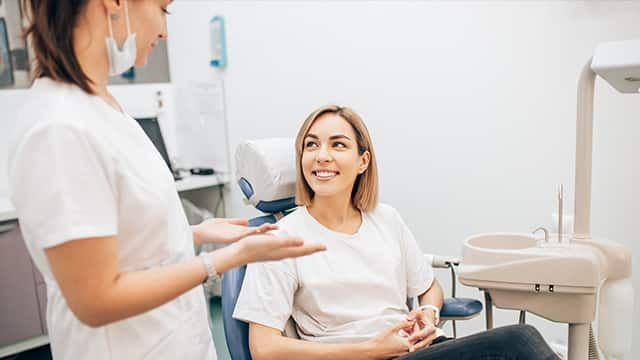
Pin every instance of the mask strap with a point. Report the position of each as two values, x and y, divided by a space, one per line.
110 26
126 16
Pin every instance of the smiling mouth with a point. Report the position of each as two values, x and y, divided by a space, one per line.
325 174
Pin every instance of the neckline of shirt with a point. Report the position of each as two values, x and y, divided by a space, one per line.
95 98
334 233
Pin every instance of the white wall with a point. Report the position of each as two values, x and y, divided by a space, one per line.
471 104
9 102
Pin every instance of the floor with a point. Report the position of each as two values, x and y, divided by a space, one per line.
43 353
218 330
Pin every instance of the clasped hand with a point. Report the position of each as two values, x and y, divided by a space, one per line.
423 331
412 334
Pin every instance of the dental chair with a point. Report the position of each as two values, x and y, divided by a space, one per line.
266 176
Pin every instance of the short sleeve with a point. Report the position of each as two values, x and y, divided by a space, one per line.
267 294
419 270
61 185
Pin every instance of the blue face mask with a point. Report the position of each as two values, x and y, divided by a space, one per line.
122 58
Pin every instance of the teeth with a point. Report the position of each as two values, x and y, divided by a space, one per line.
325 173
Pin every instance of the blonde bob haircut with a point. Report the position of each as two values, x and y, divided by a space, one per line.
364 195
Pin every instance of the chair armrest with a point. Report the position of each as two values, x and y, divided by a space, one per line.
445 262
460 309
442 262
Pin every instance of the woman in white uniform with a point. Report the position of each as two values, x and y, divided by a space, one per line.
97 205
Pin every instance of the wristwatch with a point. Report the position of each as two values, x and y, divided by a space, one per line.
212 274
435 309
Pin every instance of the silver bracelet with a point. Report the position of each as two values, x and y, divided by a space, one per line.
212 274
435 309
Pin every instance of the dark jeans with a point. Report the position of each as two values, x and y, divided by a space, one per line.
503 343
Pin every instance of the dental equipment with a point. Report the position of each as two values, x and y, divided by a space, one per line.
567 281
560 194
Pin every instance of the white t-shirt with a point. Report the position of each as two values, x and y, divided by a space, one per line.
80 169
349 293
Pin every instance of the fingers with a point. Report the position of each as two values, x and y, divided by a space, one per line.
291 246
422 344
297 251
237 221
265 228
416 328
289 241
414 314
409 330
304 250
422 334
400 326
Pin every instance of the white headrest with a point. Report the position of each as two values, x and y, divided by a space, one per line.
268 166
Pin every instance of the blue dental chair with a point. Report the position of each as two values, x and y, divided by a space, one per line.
266 176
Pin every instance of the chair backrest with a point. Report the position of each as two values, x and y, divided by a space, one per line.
265 172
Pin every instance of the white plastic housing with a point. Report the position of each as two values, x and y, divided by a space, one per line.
619 64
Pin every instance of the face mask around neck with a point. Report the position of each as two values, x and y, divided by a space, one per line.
122 58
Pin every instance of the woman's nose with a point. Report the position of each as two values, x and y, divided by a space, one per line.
323 154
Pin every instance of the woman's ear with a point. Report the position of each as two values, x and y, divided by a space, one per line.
113 7
364 162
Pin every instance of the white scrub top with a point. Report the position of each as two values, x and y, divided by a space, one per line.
80 169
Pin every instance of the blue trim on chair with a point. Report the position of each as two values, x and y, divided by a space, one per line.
265 219
460 307
236 331
276 205
246 187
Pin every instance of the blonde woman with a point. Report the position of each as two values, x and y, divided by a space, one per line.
350 301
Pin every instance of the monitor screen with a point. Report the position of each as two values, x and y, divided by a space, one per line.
152 128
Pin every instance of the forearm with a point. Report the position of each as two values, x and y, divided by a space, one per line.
433 296
280 347
134 293
88 274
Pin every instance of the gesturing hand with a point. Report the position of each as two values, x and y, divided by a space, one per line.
226 230
266 247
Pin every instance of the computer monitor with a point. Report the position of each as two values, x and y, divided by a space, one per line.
152 128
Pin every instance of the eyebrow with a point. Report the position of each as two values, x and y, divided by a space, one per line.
332 137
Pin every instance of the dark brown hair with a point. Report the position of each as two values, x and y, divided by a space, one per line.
50 32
